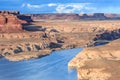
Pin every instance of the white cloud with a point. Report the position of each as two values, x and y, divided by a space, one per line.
73 7
68 8
63 8
34 6
38 6
90 8
52 4
23 5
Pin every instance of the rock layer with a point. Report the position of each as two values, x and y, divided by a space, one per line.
10 23
98 63
82 33
55 35
17 44
21 46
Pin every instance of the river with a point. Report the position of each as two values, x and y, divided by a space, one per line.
51 67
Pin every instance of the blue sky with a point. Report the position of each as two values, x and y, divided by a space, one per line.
61 6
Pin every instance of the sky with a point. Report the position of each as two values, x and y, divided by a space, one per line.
61 6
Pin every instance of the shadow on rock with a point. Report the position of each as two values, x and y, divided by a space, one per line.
33 28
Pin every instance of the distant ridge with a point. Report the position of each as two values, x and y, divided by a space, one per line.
64 16
95 16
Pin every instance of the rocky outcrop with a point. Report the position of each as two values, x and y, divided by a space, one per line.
24 46
28 55
108 35
80 26
98 63
10 23
23 17
82 33
23 35
17 43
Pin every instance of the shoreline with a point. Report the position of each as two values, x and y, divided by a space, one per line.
98 61
28 56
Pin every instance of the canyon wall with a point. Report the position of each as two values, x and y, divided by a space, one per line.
10 23
17 43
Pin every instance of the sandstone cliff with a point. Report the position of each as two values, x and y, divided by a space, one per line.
98 63
10 23
17 43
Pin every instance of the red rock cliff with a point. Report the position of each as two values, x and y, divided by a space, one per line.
10 23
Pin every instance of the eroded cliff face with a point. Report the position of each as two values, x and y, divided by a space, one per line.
108 35
98 63
54 35
80 26
10 23
27 45
82 33
17 43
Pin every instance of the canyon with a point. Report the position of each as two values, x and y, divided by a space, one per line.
28 36
34 36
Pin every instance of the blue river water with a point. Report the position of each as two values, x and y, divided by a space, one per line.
51 67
